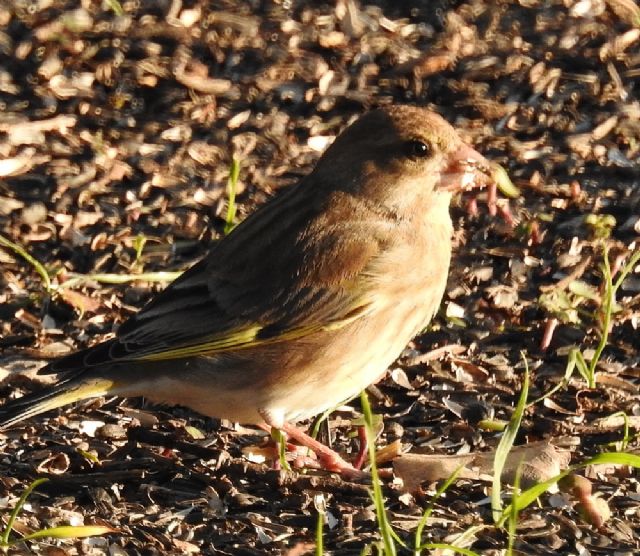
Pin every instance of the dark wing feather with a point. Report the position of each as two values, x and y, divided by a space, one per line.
291 269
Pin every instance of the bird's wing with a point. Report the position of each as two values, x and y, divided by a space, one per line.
257 287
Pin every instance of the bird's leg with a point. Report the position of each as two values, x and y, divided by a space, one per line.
492 197
364 447
282 447
330 459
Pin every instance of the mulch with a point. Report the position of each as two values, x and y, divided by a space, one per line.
118 125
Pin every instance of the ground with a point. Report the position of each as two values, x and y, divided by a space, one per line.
118 125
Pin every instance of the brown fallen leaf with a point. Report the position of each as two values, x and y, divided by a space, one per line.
537 461
389 452
617 421
186 547
613 381
80 301
300 549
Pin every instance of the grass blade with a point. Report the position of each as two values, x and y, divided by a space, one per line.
37 265
444 546
232 182
111 278
68 532
429 508
384 526
530 495
4 539
505 445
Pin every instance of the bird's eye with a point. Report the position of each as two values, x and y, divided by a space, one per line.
417 149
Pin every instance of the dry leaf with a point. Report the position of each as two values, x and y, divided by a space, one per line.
539 461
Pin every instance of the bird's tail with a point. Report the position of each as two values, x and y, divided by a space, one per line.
69 390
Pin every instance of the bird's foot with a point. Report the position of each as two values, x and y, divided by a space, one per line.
328 459
364 448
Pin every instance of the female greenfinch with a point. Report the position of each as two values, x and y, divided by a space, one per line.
307 301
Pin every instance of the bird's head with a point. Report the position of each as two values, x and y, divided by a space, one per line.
400 156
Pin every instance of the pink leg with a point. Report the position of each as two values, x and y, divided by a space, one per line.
364 448
329 458
505 213
492 196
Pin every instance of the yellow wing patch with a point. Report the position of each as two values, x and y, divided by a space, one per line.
248 338
207 346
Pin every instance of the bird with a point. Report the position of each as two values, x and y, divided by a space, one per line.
307 301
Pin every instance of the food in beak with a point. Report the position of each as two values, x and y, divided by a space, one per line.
467 169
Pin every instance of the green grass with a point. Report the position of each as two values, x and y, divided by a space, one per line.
529 496
52 287
37 265
565 306
281 443
388 545
607 308
384 526
604 315
115 6
504 517
61 532
321 507
138 245
505 445
115 279
232 184
512 520
419 546
622 445
521 500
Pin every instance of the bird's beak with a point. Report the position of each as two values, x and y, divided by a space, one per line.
465 169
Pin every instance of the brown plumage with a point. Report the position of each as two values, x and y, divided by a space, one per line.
308 300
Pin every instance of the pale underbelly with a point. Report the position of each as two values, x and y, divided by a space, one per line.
273 383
